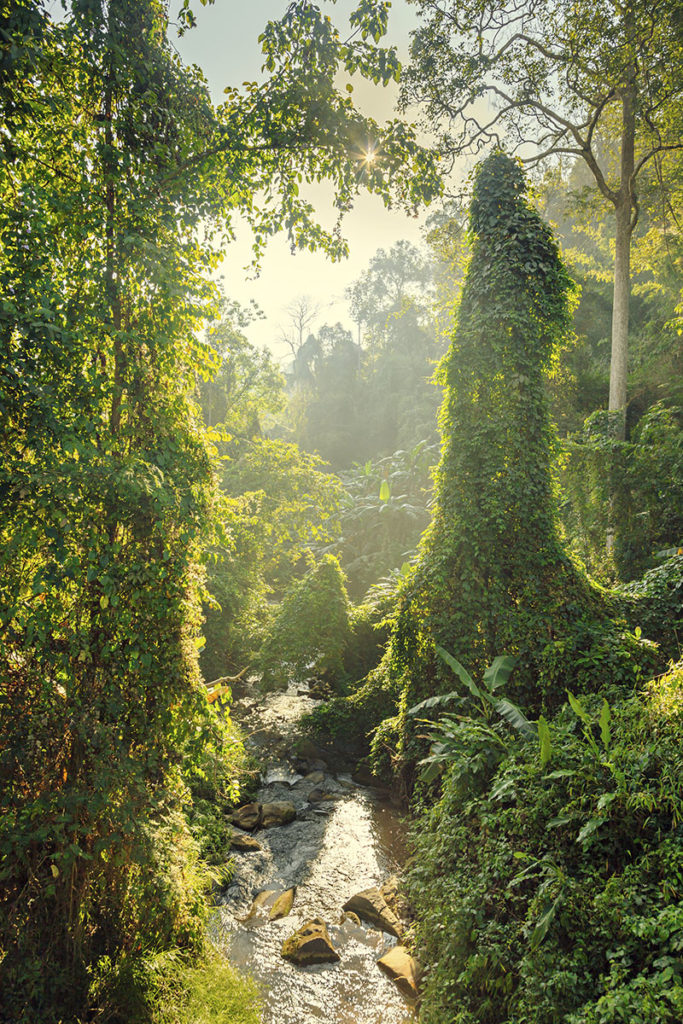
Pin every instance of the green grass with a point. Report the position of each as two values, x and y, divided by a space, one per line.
217 994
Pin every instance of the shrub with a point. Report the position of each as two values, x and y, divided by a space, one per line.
310 631
552 892
656 605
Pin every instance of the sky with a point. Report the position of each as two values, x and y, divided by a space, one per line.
225 46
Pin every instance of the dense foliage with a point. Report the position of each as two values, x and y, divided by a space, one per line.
493 574
548 880
118 183
311 629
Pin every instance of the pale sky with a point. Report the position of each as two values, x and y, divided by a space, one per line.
225 46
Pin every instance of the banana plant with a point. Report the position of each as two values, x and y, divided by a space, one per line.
444 737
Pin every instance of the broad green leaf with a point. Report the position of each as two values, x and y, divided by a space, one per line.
605 800
543 923
514 717
591 826
433 702
544 740
563 819
460 671
578 708
498 672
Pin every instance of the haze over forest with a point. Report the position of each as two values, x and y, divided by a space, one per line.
341 607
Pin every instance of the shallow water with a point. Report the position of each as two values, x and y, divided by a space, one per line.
333 849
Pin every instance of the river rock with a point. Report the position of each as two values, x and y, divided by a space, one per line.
349 916
315 778
403 969
283 904
310 945
307 749
363 776
371 906
241 841
396 901
247 817
318 794
279 812
259 901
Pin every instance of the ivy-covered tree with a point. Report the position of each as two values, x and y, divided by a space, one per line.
493 577
120 177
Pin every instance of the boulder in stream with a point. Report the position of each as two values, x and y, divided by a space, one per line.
283 904
310 945
260 900
279 812
371 906
317 795
402 968
241 841
395 899
247 817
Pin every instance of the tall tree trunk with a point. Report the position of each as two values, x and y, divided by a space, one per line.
622 282
622 269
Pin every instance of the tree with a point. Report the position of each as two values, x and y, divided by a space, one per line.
493 576
560 78
389 281
302 314
121 181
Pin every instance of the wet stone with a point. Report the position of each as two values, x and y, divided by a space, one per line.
311 944
283 904
403 969
279 812
371 906
247 817
258 903
241 841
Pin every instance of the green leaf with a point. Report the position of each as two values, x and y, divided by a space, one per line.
578 708
543 923
604 720
591 826
498 672
460 671
544 740
384 491
433 702
514 717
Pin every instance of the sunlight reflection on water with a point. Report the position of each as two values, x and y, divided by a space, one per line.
355 847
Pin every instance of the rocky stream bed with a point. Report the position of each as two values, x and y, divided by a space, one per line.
343 838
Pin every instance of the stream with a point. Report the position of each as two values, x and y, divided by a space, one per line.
347 838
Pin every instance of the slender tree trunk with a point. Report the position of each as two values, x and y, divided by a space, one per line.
622 268
622 284
620 318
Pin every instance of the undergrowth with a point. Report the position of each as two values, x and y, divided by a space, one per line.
549 882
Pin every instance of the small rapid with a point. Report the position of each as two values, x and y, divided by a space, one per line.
345 838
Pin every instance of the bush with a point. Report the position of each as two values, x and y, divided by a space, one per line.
348 722
656 605
169 988
552 892
310 631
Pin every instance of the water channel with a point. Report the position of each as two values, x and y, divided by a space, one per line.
337 846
